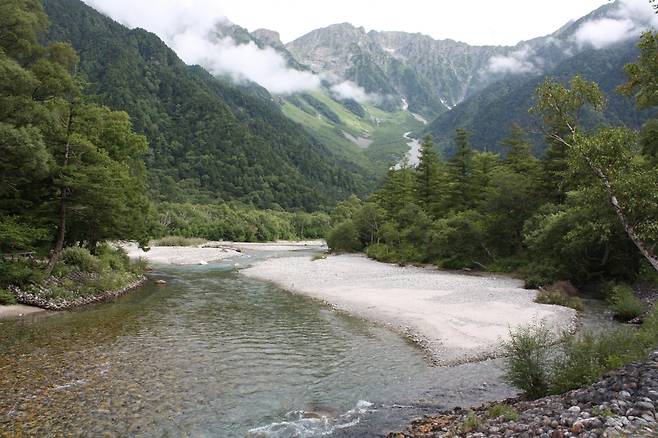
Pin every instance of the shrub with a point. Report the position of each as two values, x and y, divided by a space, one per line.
472 423
7 297
344 237
381 252
540 363
558 296
624 303
139 266
19 273
178 241
81 258
114 259
502 410
527 359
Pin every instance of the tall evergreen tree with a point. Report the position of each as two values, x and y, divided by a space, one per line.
428 190
461 194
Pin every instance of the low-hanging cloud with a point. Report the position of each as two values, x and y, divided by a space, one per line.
187 26
624 22
350 90
522 60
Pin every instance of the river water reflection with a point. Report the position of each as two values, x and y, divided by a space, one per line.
212 353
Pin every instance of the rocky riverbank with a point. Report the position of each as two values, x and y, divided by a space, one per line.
40 297
622 403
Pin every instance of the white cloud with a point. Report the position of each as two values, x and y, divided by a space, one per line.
350 90
187 27
519 61
627 21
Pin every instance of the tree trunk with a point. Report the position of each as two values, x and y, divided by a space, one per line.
61 232
646 252
63 193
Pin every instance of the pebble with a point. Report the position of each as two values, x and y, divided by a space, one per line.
629 393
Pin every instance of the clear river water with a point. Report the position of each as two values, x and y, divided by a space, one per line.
216 354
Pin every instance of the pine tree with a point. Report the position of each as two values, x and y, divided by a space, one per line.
461 194
428 188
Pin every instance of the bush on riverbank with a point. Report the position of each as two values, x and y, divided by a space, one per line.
560 294
540 362
6 298
624 303
79 275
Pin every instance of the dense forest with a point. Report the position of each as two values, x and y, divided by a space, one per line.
480 114
75 175
210 141
585 211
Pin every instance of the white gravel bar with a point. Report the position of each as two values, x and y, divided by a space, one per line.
214 251
456 317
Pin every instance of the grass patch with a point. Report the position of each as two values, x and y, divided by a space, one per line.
178 241
559 298
472 423
502 410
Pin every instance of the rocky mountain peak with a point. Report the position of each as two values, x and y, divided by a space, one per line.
267 36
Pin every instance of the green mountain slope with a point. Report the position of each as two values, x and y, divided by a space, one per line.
208 139
490 113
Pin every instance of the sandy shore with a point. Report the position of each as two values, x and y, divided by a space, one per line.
214 251
18 310
456 318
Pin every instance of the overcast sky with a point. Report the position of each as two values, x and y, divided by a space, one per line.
503 22
187 27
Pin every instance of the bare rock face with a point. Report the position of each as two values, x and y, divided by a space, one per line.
267 36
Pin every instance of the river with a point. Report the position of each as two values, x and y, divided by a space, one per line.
214 353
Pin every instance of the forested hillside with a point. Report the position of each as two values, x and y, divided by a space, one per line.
489 113
209 141
585 211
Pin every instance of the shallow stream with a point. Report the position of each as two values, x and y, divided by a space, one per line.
216 354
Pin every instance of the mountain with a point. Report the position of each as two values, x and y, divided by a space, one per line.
348 52
489 114
209 140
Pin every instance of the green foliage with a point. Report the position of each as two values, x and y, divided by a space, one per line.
113 259
209 140
238 223
471 424
81 259
624 303
560 298
19 272
178 241
541 363
527 360
344 237
506 411
6 297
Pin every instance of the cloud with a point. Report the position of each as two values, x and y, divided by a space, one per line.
187 26
350 90
625 22
522 60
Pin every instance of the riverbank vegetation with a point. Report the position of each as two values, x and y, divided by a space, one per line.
541 362
72 172
237 222
73 177
585 212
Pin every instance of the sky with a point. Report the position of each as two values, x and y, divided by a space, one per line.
187 27
478 22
